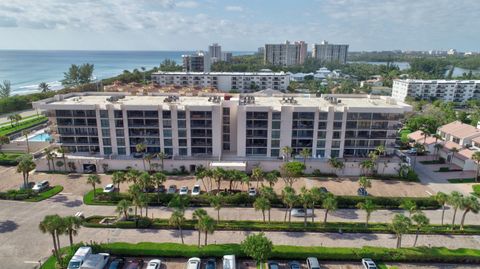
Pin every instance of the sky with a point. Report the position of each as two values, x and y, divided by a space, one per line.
242 25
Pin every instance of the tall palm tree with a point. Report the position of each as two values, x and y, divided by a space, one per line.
270 195
177 219
149 157
198 215
306 200
140 148
143 203
72 225
441 199
329 204
400 225
271 178
93 180
63 151
44 87
133 175
317 197
145 181
476 158
453 151
161 155
208 227
217 203
50 224
287 152
118 177
305 153
257 174
364 182
438 147
367 165
18 118
123 208
289 198
469 204
420 221
11 118
158 179
369 206
455 200
425 133
409 205
437 137
50 156
336 164
25 166
262 204
25 134
134 192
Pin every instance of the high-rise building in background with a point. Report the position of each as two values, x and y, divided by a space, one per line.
331 53
226 57
198 62
285 54
215 52
261 51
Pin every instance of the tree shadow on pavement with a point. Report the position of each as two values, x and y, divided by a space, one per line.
352 236
295 234
176 233
345 214
8 226
65 201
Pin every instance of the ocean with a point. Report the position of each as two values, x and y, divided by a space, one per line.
26 69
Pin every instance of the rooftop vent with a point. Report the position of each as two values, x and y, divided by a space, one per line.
288 100
115 98
171 99
332 99
247 100
215 99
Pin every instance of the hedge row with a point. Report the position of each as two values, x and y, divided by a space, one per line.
244 200
420 254
9 159
29 195
8 130
295 226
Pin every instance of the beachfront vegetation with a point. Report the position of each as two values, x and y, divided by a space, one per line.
22 125
78 75
5 89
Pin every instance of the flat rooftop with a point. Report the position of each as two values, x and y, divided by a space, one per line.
222 73
439 81
276 102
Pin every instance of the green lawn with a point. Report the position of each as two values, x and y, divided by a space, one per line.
23 119
8 129
46 194
9 158
461 180
29 196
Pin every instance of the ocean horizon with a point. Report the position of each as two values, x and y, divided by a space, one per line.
25 69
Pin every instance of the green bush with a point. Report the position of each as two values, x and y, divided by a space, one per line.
476 189
7 130
443 169
9 159
29 195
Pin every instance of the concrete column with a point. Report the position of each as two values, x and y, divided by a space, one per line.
241 131
286 127
125 130
329 132
217 126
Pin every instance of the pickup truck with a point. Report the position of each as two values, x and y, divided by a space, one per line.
96 261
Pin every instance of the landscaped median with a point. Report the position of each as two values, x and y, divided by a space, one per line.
10 158
411 255
8 130
29 195
244 200
296 226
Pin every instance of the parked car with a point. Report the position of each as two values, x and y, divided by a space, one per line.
362 192
312 263
196 190
252 192
161 189
294 265
134 264
211 264
412 151
137 155
96 261
368 264
183 190
109 188
229 262
300 212
117 263
172 189
193 263
41 186
149 189
273 265
79 257
154 264
323 190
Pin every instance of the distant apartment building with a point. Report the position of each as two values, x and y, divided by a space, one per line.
447 90
224 81
330 53
227 57
198 62
286 54
215 52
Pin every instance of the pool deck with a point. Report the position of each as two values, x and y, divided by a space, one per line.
33 134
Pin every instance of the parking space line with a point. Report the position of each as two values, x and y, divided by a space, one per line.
429 193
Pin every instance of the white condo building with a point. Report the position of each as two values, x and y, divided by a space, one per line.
447 90
224 81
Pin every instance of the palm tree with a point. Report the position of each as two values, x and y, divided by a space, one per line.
453 151
262 204
18 118
118 177
400 225
72 225
257 174
329 204
133 175
289 198
425 133
50 156
420 221
158 179
145 181
94 180
271 178
11 118
63 151
3 140
149 157
409 205
50 224
317 196
123 208
179 202
208 227
455 200
437 137
441 199
336 164
198 215
140 148
367 165
469 204
306 200
5 89
438 147
25 166
25 133
134 192
217 203
269 194
44 87
143 203
161 155
287 152
365 182
305 153
369 206
177 219
476 158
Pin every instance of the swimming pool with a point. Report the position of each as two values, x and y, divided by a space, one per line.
43 137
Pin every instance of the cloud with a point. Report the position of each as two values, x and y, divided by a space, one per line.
234 8
8 22
187 4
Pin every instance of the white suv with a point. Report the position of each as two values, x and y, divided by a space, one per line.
41 186
368 264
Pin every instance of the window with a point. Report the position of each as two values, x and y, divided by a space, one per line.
118 114
337 125
275 143
119 132
104 123
167 124
107 150
167 142
182 152
181 114
106 132
320 143
275 152
275 125
336 135
182 133
323 116
103 114
322 125
335 144
338 116
107 142
335 153
167 133
122 151
120 142
276 115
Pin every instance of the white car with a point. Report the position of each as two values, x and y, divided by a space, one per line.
183 190
252 192
154 264
193 263
109 188
41 186
368 264
300 212
196 190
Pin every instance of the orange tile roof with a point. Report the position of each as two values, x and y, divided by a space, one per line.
448 145
465 154
417 136
459 129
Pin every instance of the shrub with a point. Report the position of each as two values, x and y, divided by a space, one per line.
476 189
443 169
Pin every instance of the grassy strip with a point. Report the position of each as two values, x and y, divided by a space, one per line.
46 194
30 196
243 200
9 158
419 254
461 180
8 130
295 226
22 120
